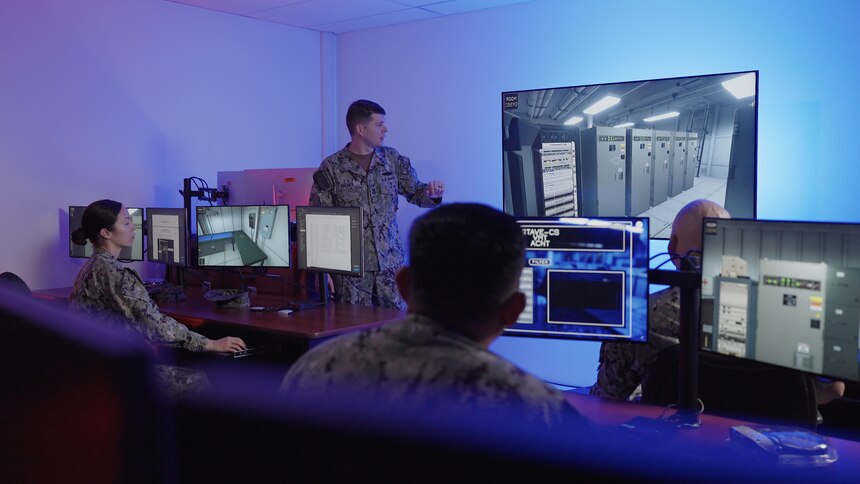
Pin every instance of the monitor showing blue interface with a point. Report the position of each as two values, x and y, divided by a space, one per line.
237 236
634 148
135 252
585 278
166 234
330 239
783 293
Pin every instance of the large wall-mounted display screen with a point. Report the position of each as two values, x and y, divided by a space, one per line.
635 149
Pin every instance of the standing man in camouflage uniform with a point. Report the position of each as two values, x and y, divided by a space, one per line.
462 285
368 175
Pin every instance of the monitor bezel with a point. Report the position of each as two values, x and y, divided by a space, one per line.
196 237
150 252
301 256
142 235
506 189
598 337
700 346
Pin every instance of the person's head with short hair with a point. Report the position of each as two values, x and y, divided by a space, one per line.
686 238
13 283
365 121
107 224
465 262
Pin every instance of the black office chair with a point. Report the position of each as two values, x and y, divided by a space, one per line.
14 283
736 387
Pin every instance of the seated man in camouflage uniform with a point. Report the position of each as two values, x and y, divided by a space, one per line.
116 294
624 366
462 289
369 175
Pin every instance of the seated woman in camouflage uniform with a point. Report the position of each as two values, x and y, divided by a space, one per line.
106 289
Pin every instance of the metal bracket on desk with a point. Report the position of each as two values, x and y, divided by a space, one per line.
205 194
690 283
323 286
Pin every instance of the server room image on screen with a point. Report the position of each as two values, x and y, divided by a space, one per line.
783 293
234 236
135 252
585 279
634 149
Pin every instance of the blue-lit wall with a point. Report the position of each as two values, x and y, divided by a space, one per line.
440 81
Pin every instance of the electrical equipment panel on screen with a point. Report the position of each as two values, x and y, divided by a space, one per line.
783 293
585 278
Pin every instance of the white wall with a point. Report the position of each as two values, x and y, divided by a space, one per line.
441 81
124 99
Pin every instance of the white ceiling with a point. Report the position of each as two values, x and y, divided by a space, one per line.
341 16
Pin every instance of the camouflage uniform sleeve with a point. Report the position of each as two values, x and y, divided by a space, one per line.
317 368
319 198
623 366
616 377
408 184
132 301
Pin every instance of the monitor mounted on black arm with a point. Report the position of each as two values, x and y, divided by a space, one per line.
133 253
584 278
330 239
241 236
783 293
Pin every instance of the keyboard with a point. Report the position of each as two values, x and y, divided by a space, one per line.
254 350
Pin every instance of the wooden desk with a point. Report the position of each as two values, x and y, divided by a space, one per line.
710 440
304 328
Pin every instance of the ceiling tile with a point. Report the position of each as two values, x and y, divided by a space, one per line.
392 18
419 3
460 6
344 15
241 7
317 12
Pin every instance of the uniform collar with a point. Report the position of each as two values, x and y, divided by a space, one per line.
347 163
442 328
104 254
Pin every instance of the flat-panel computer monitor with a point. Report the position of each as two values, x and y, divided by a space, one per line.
330 240
166 235
584 278
783 293
240 236
635 149
134 253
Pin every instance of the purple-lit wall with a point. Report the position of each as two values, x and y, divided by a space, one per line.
123 99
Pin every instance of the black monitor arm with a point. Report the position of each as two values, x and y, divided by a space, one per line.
690 283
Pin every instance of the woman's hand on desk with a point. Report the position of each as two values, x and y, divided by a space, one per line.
229 344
